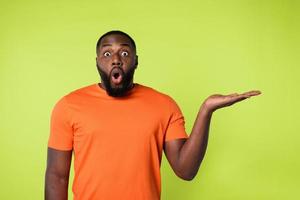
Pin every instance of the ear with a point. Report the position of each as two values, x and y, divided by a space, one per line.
136 61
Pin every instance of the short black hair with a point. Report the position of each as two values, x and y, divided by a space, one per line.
115 32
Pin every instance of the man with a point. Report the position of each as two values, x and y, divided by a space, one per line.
117 130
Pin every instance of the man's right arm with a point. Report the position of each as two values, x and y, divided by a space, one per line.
57 174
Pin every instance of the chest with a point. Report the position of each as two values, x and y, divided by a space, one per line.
127 123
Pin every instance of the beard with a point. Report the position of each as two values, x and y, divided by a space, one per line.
120 89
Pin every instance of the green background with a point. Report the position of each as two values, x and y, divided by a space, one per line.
187 49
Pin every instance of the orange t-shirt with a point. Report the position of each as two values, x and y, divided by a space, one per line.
117 142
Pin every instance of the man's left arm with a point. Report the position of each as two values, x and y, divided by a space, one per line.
186 155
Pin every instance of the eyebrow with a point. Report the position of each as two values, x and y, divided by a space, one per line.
122 44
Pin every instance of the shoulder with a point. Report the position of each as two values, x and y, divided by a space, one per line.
80 93
156 95
161 101
75 96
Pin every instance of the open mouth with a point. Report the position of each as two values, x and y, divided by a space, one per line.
116 76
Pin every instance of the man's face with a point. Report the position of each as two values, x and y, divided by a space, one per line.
116 61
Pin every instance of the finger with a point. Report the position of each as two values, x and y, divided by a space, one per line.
232 94
252 93
235 98
239 98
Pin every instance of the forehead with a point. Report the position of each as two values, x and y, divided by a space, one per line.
115 39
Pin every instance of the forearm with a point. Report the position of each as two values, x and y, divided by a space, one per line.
56 187
193 150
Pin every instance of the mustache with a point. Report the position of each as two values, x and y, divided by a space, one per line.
129 73
125 84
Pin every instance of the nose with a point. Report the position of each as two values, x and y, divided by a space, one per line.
116 61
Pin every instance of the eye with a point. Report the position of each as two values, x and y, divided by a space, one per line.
106 54
124 53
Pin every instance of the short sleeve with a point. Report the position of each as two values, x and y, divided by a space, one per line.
61 131
176 124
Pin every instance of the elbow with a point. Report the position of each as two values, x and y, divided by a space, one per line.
186 177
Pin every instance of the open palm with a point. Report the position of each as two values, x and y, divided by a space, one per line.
217 101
